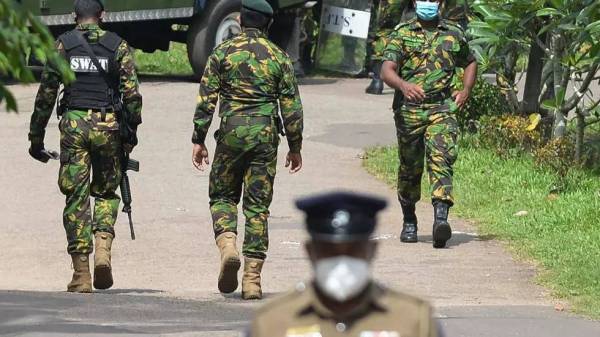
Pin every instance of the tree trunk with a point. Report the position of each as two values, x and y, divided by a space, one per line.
560 119
580 135
533 83
507 78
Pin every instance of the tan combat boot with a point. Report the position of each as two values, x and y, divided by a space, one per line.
102 268
251 289
82 279
230 262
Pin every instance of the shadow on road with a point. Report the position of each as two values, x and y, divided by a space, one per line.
358 136
43 313
236 297
458 239
316 81
129 291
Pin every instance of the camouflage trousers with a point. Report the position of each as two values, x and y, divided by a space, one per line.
245 160
89 150
429 135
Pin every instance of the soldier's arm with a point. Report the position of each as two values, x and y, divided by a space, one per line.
392 56
207 98
291 107
44 101
129 84
466 59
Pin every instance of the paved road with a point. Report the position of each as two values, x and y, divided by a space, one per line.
165 281
59 314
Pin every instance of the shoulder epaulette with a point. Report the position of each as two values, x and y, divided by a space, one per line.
404 24
454 26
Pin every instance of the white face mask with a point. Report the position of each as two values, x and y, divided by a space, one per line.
343 277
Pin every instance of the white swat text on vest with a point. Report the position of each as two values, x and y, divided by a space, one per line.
84 64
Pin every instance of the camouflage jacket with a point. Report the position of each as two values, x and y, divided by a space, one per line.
51 81
250 76
428 58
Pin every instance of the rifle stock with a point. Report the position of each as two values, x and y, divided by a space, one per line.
128 164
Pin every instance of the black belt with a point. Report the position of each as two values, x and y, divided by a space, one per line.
432 98
108 110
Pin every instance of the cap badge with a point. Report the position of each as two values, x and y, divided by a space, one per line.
340 219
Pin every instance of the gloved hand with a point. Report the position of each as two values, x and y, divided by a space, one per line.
129 138
128 148
38 152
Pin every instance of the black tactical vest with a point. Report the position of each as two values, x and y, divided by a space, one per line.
90 89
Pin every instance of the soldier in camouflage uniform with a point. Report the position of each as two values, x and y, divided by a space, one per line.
388 14
421 59
251 77
90 144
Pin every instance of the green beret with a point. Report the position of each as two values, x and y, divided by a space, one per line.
261 6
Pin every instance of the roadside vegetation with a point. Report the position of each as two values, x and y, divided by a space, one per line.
23 35
515 200
172 62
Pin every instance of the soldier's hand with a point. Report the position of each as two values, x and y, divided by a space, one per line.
412 92
200 156
128 148
461 98
39 153
294 162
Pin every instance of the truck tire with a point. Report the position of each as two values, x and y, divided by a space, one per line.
216 24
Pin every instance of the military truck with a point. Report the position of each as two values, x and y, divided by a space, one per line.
151 25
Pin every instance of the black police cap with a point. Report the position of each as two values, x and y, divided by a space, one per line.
341 216
88 8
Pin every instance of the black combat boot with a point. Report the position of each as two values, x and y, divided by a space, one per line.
376 86
409 227
441 228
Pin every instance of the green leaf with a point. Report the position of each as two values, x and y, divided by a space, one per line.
560 96
593 28
8 98
549 104
568 26
548 12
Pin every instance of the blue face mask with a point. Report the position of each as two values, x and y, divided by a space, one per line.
427 11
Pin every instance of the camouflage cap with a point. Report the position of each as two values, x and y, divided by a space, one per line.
260 6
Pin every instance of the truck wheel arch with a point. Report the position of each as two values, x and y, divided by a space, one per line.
216 22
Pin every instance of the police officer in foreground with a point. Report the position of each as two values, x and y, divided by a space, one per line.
343 300
253 79
421 60
91 111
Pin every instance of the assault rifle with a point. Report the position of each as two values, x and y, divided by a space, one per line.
128 164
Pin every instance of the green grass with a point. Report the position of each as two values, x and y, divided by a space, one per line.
561 234
173 62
